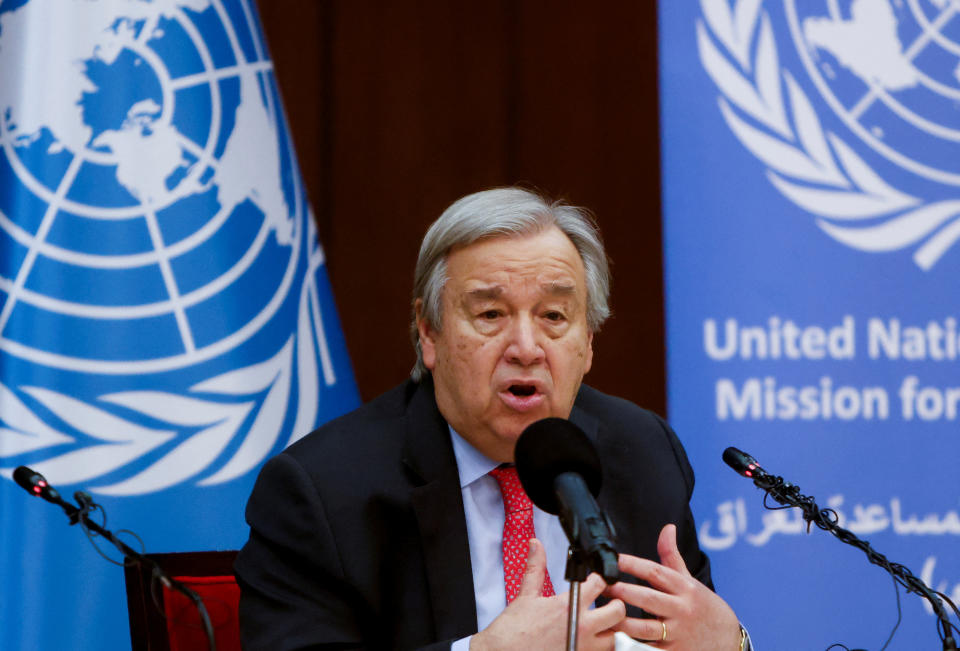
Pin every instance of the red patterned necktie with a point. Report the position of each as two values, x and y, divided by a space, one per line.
517 531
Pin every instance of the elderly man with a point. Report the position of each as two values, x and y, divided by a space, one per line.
402 525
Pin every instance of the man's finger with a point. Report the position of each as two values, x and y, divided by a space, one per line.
532 584
608 616
659 576
590 589
653 601
668 551
648 630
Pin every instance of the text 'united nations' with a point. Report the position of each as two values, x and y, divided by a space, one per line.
904 386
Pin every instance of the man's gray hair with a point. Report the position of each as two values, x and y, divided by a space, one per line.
510 212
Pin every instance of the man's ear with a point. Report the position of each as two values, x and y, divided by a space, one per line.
427 335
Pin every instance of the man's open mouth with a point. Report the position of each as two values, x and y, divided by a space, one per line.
523 396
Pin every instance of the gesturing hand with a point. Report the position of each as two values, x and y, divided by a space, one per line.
692 615
533 622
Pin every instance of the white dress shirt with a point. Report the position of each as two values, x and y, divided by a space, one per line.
483 508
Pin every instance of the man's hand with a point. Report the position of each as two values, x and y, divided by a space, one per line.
695 617
532 622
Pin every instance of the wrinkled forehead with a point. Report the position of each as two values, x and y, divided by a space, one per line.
546 257
507 235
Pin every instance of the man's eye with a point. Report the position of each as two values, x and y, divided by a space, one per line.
554 316
491 314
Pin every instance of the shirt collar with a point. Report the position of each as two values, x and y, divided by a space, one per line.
471 463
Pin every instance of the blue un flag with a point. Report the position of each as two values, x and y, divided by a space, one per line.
166 323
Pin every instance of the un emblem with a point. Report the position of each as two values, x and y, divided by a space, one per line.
890 71
158 266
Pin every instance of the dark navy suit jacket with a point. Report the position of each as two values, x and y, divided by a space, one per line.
358 537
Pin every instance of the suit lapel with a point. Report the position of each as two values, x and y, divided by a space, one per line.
590 425
438 506
585 421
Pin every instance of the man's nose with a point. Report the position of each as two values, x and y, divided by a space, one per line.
524 346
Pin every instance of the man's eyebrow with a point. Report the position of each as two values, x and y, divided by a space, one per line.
556 288
485 293
559 288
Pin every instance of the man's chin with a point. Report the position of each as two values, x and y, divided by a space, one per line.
508 428
517 423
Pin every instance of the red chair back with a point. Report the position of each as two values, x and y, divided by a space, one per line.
166 620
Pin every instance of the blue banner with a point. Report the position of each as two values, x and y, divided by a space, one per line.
166 323
811 171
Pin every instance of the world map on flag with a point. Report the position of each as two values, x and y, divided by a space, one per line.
134 150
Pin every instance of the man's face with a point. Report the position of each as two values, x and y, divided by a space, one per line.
514 343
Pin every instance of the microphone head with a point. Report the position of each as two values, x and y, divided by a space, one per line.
742 463
547 449
30 480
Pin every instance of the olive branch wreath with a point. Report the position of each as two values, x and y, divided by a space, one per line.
811 167
199 426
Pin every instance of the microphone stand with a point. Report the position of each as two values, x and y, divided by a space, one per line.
826 519
81 515
576 573
579 565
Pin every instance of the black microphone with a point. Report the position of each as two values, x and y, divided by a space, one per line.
744 464
35 484
560 471
789 495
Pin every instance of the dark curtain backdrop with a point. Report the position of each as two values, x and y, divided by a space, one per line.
400 107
